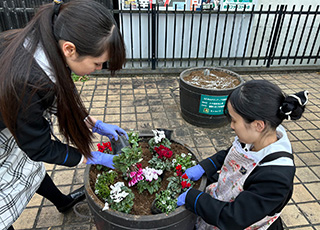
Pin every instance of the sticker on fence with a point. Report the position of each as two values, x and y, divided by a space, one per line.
247 4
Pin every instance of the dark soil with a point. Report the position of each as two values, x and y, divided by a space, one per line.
215 80
143 201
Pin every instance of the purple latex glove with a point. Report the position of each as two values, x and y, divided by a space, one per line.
182 198
108 130
195 173
101 159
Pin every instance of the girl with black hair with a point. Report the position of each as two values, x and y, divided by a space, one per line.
35 82
252 181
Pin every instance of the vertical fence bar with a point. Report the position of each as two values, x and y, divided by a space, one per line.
140 38
25 11
131 37
224 33
302 35
294 34
190 44
199 34
215 35
174 33
182 32
166 37
7 15
263 33
247 37
309 34
287 33
231 37
277 35
239 36
207 37
314 43
153 21
149 43
157 47
255 34
271 35
317 56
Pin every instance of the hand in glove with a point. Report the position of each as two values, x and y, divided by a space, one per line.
195 173
108 130
101 159
182 198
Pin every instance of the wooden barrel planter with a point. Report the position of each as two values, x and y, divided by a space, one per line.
109 219
202 106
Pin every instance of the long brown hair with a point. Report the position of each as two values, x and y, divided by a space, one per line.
92 29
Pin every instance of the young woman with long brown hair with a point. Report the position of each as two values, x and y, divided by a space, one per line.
35 82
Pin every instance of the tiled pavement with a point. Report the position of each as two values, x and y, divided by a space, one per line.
146 102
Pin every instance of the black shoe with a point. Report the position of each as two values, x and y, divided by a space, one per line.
76 196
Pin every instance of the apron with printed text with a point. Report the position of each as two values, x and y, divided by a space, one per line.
237 166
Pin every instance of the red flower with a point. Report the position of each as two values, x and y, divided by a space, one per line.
168 154
188 185
184 176
163 151
184 184
178 167
139 166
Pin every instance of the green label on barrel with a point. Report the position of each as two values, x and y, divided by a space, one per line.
212 105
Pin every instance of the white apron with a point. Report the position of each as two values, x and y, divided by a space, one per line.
237 166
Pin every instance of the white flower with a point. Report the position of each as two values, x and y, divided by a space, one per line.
106 206
184 168
163 202
96 191
169 208
174 161
189 154
194 162
183 155
151 173
116 193
158 136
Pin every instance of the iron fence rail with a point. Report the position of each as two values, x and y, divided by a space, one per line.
167 37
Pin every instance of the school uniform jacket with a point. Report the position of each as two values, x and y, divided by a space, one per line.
21 167
265 192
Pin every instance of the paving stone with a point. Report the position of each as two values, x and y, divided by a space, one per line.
292 216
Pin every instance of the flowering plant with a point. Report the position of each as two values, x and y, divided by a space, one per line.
165 202
104 148
135 175
120 199
184 160
152 182
186 182
103 182
126 161
159 139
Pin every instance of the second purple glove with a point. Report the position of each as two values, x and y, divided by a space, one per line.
195 173
108 130
101 159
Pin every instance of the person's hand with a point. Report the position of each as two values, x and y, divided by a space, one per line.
108 130
182 198
101 159
195 173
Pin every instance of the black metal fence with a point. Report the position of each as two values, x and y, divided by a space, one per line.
160 37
